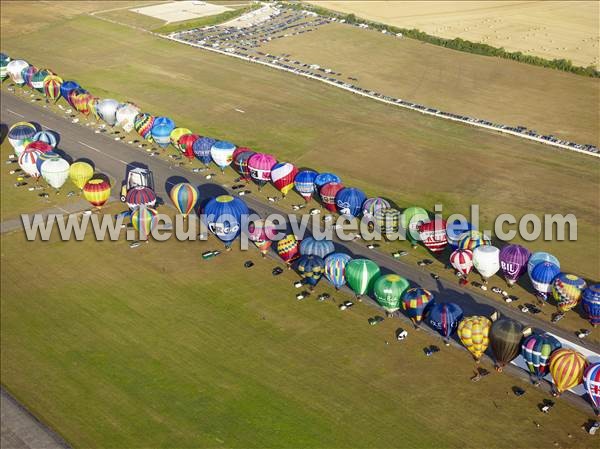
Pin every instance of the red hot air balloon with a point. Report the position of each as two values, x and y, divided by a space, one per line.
186 144
462 261
282 175
328 193
433 235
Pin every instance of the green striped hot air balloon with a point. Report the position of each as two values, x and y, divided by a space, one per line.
410 220
388 290
361 274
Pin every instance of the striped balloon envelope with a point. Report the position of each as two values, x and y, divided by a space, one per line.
361 274
462 261
542 276
96 191
27 74
161 131
335 269
144 220
143 125
140 196
567 290
415 302
313 247
283 175
474 334
372 205
433 235
591 382
28 160
473 239
184 196
304 183
387 222
536 351
539 257
20 134
52 85
567 367
288 248
47 137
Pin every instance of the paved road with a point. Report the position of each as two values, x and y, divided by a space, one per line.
14 224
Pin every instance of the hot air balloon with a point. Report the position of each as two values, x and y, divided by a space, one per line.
473 332
176 134
237 151
567 290
3 63
326 178
55 172
144 219
538 257
107 110
536 351
433 235
372 205
20 134
283 175
45 157
97 191
590 302
415 301
52 87
37 80
313 247
288 249
143 124
38 145
410 220
462 261
349 201
260 166
27 74
202 148
186 144
240 163
311 269
328 193
455 230
513 262
505 339
161 131
473 239
126 115
184 196
388 289
304 183
591 383
27 161
140 196
387 222
261 233
486 260
361 275
65 89
15 71
335 269
81 101
47 137
444 318
566 367
542 276
224 215
221 153
80 173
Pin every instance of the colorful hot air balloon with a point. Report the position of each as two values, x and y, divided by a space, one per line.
415 301
542 276
372 205
473 239
27 161
202 148
55 172
184 196
486 260
591 383
513 262
40 146
186 144
411 219
538 257
52 87
361 275
473 332
536 351
311 269
97 191
288 249
388 289
80 100
66 88
505 339
140 196
313 247
328 193
143 124
590 302
335 269
387 222
144 219
455 230
45 157
47 137
161 131
221 153
326 178
80 173
260 166
224 215
433 235
444 318
37 80
20 134
566 367
261 233
125 116
462 261
240 163
176 134
304 183
107 110
15 71
567 290
349 201
283 175
27 74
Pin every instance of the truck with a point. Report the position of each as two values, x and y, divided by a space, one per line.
137 177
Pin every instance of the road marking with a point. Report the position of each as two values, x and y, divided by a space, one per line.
16 113
101 152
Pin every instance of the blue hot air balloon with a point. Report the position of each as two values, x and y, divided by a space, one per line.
48 137
201 148
335 269
542 276
444 318
304 183
590 301
311 269
538 257
223 216
455 229
161 131
66 87
349 201
536 350
313 247
326 178
222 152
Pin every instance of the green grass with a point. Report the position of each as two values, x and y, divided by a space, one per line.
205 21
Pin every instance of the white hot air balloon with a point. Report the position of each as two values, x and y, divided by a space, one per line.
55 172
15 69
28 162
125 116
107 110
486 260
222 152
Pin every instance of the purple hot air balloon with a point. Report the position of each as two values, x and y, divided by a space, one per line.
513 262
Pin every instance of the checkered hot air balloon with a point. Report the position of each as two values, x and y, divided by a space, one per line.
415 302
567 290
140 196
52 85
591 382
388 290
288 249
433 235
567 367
536 351
335 269
144 220
240 163
184 196
328 193
473 332
590 302
304 183
97 191
283 175
260 165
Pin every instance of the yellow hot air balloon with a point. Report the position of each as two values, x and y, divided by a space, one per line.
80 173
567 367
97 192
176 134
473 332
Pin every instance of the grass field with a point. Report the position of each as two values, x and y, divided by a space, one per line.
551 29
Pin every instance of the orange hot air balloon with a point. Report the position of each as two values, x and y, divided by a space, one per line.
97 191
